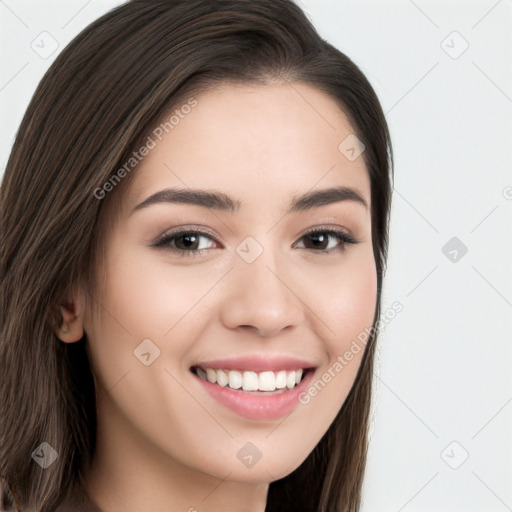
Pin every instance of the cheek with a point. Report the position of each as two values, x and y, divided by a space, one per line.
354 300
347 308
142 299
346 301
146 297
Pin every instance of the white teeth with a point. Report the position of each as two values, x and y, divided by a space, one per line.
235 379
211 375
281 379
222 378
267 381
252 381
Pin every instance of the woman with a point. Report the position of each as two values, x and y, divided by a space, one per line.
195 233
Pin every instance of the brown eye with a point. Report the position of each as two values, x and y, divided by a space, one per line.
187 242
320 239
184 242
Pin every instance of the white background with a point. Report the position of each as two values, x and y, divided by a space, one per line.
443 384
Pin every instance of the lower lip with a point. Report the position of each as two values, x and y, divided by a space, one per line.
258 407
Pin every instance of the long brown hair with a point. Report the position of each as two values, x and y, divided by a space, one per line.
98 101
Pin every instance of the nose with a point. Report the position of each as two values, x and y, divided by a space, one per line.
259 297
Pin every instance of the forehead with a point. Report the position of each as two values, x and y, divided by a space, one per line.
258 142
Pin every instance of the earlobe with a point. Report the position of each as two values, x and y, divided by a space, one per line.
71 327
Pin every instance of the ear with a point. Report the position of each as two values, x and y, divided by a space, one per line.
71 327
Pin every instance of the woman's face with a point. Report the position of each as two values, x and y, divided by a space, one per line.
255 295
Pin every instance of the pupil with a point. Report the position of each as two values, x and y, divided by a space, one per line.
316 237
190 240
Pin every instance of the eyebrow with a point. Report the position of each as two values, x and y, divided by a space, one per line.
222 202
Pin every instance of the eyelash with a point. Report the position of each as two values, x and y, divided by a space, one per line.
165 239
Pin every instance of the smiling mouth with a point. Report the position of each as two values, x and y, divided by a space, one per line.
266 382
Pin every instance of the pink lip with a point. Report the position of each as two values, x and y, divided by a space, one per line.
258 363
256 406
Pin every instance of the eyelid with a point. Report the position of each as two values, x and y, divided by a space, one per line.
336 232
175 232
331 229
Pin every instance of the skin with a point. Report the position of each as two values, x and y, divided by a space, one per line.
163 443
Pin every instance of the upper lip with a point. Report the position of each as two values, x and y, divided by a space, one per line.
258 363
